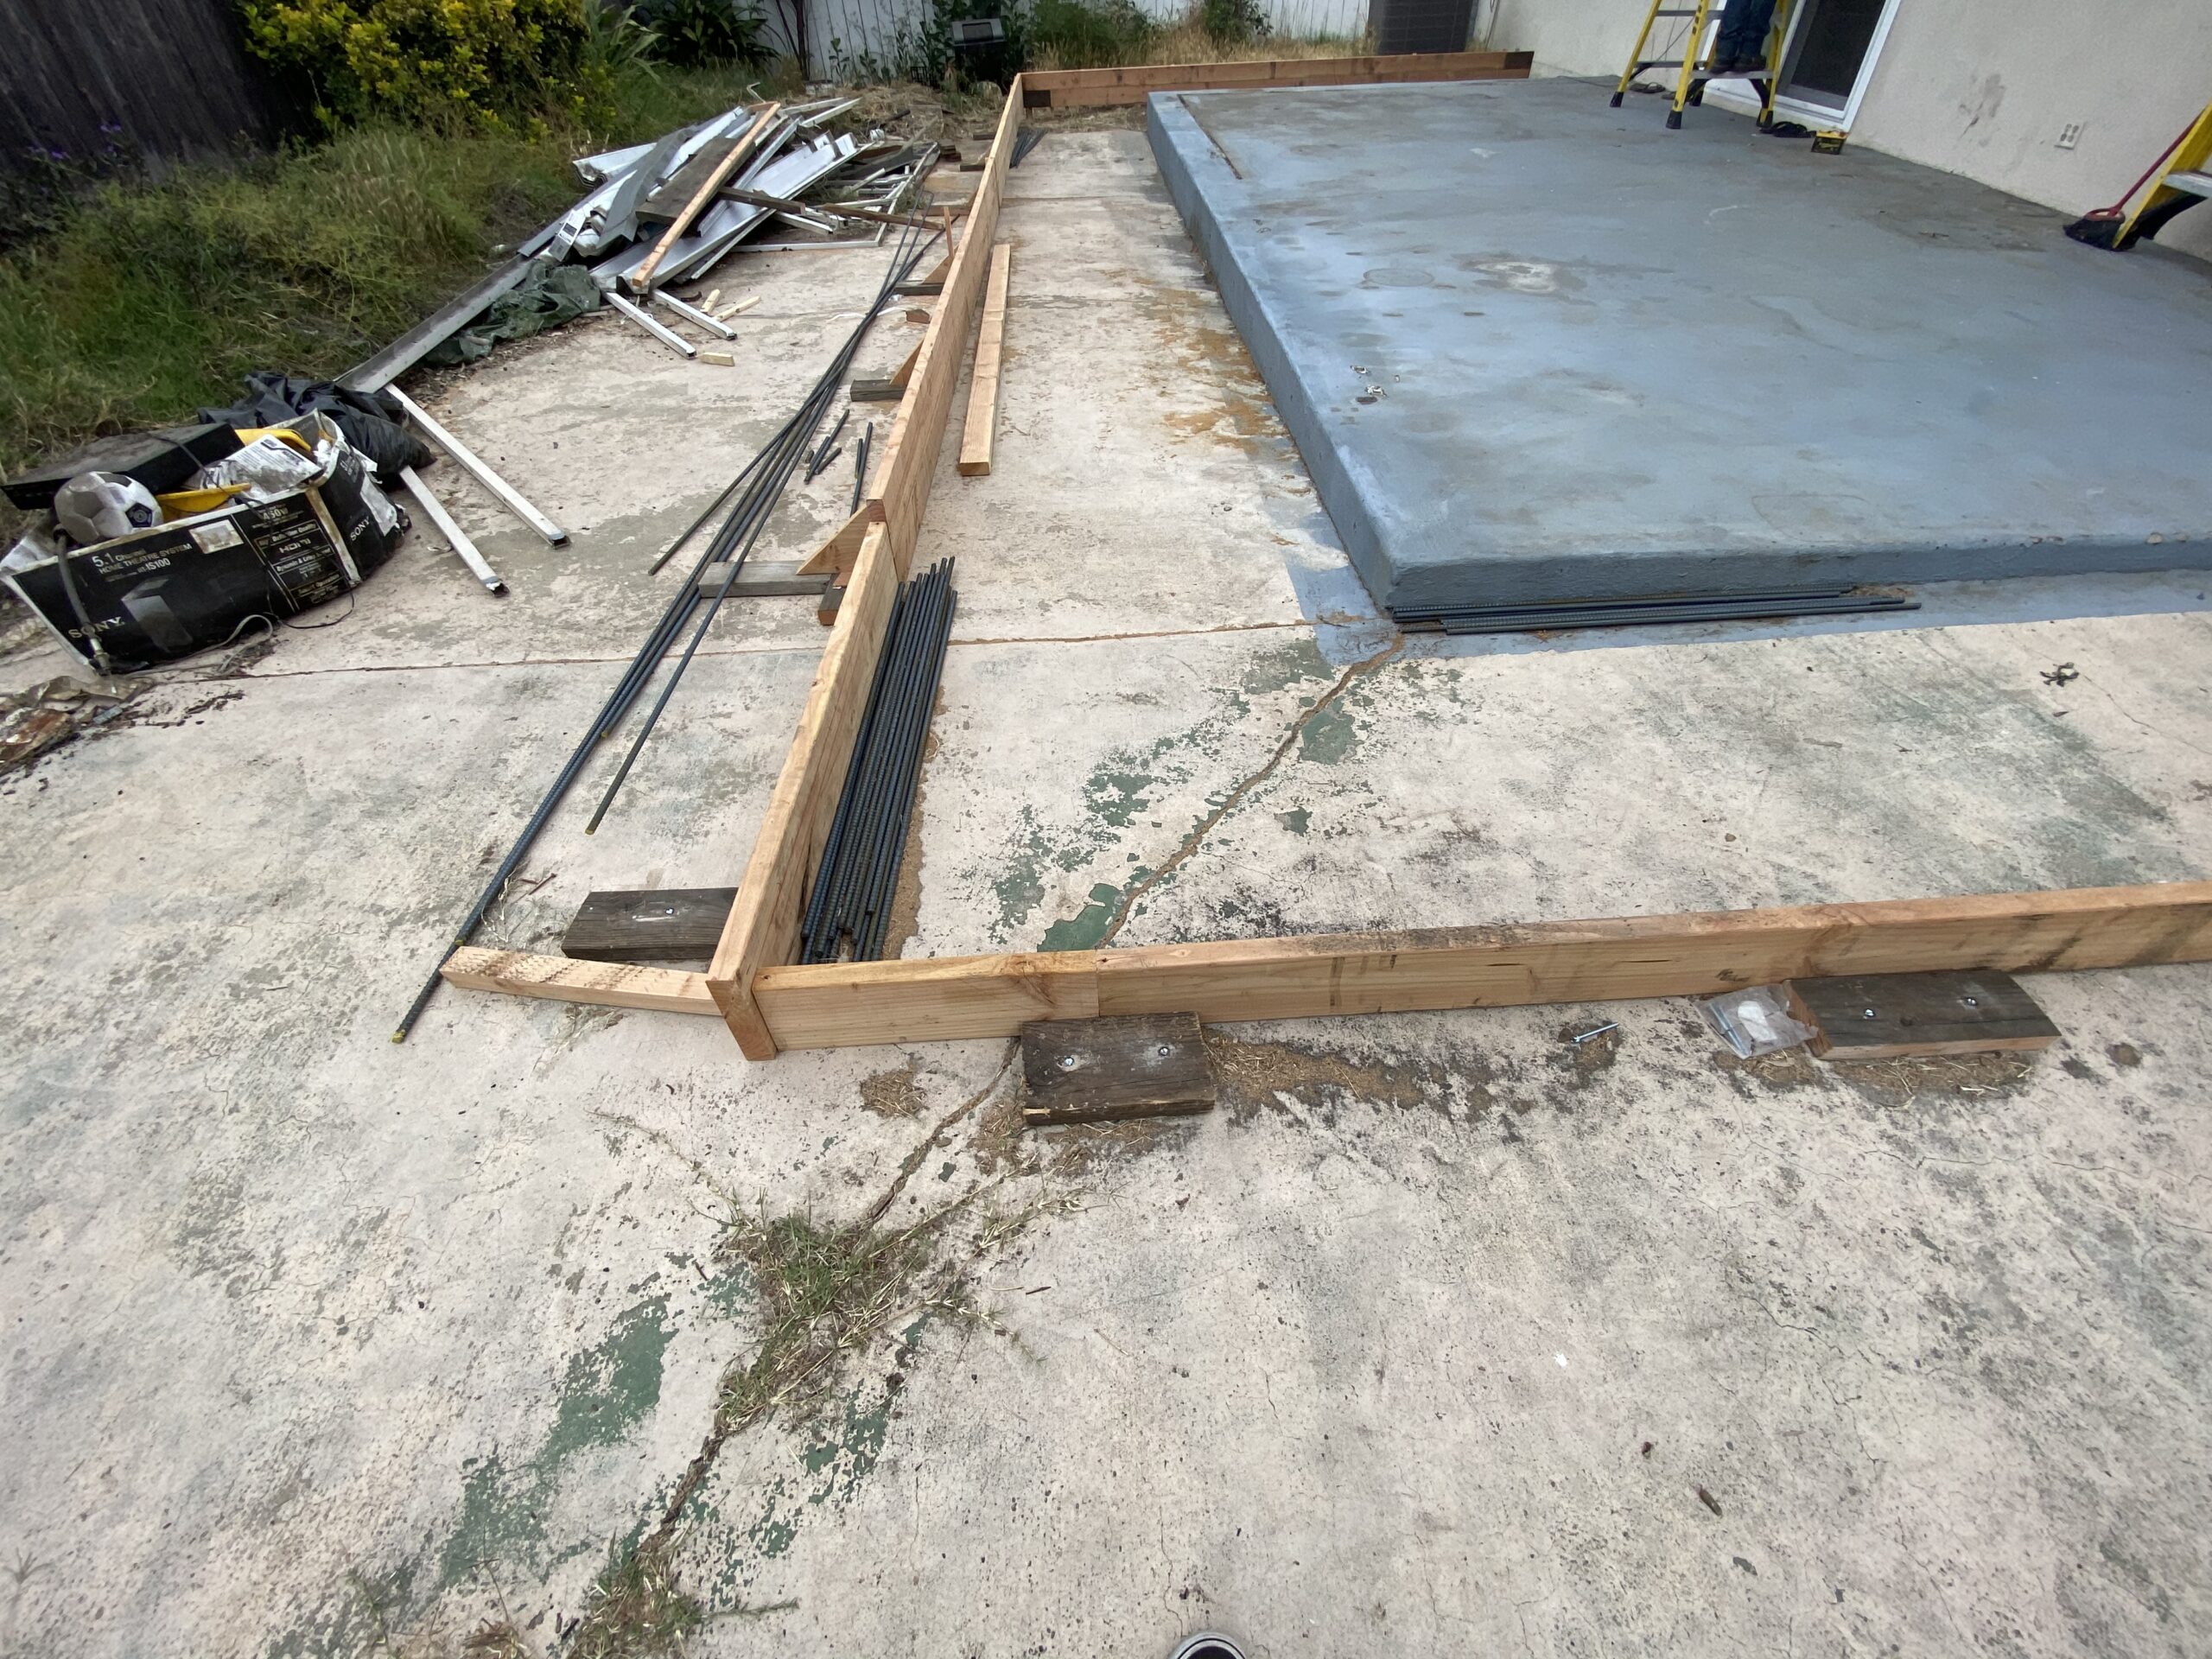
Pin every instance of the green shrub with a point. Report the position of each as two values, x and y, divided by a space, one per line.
1233 23
488 64
694 34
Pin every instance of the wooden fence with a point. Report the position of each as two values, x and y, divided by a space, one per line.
85 82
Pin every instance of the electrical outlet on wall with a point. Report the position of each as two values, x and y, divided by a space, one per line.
2070 135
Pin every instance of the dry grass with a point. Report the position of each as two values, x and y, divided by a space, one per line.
637 1609
1188 42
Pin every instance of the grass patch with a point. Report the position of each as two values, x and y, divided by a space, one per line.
824 1293
149 299
637 1609
1109 34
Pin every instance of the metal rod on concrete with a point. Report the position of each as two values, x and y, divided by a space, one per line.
468 462
692 314
859 465
652 326
457 537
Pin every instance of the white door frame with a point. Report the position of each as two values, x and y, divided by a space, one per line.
1735 93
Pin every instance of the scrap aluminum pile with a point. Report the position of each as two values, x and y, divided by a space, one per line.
663 215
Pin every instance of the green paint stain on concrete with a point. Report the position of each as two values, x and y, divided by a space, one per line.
604 1394
835 1465
1126 784
1115 798
1020 888
1297 820
1086 929
1329 737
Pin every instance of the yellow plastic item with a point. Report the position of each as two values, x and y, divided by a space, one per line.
183 504
248 434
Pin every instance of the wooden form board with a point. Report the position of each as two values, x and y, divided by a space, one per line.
981 431
764 923
917 436
934 999
1079 88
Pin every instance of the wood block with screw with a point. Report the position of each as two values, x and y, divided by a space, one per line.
663 924
1885 1016
1122 1065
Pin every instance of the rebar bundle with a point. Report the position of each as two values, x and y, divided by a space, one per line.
850 909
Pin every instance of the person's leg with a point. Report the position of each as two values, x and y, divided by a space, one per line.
1742 38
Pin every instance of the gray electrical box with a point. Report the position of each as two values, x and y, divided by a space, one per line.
1422 25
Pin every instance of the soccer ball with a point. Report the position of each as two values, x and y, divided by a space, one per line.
98 507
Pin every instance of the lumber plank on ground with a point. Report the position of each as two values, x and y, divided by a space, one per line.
1134 83
910 456
657 924
761 579
641 280
932 1000
975 442
1496 967
936 1000
565 979
764 923
1891 1016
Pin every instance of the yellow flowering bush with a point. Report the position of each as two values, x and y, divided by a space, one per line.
483 63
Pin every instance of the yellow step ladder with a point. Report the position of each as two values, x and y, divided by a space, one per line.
1691 52
2178 180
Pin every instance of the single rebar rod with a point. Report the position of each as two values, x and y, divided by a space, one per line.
859 465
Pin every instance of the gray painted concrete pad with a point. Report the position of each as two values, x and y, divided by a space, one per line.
1533 348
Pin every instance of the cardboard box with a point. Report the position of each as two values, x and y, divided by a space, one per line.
196 583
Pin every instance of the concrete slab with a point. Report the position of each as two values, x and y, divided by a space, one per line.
1533 348
1428 1340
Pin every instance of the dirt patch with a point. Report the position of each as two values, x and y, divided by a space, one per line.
1258 1077
1793 1068
1580 1064
1201 356
1935 1077
1885 1083
893 1093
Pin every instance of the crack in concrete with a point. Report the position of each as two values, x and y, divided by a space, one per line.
1230 802
771 650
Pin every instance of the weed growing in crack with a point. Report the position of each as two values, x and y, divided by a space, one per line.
824 1293
636 1608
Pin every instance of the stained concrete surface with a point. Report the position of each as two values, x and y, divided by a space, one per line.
1441 1334
1538 349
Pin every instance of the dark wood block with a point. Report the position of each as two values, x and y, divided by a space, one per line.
1123 1065
1881 1016
665 925
878 391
